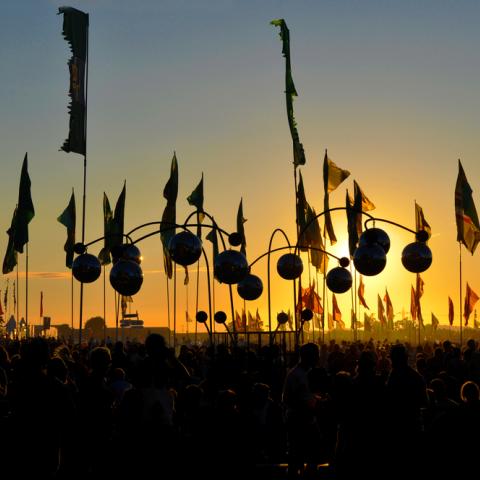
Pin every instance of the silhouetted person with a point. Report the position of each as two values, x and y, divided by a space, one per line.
300 403
406 397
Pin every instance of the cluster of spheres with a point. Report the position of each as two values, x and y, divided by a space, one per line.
126 276
231 266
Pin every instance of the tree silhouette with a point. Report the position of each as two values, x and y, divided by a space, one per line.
95 325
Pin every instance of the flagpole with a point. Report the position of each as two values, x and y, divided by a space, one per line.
460 266
71 300
104 308
310 286
84 200
26 289
116 315
419 314
196 299
174 307
17 302
353 307
297 228
168 312
324 285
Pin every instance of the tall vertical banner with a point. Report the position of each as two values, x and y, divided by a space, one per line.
75 31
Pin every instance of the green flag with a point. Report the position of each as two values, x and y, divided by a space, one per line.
104 255
318 258
302 208
119 218
290 93
25 210
468 228
333 176
75 31
240 228
68 219
351 224
170 193
10 259
196 199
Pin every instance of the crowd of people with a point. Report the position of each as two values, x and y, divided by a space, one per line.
334 410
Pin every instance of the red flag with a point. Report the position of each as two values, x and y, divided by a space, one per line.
311 300
361 293
388 304
450 311
420 222
471 299
330 321
420 287
336 314
381 312
413 304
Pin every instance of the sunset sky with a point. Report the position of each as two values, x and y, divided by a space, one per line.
390 88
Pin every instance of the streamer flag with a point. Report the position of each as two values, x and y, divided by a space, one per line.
75 32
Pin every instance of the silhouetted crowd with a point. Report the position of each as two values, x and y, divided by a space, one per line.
363 409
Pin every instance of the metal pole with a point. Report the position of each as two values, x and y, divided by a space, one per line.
26 290
174 306
461 310
104 308
84 186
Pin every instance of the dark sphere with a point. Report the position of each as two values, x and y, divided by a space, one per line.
339 280
369 260
201 316
235 239
230 267
307 314
86 268
185 248
220 317
375 235
250 288
344 262
290 266
132 252
126 277
417 257
79 248
117 252
282 318
422 236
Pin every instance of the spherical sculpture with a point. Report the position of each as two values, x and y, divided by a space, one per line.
417 257
250 288
230 267
117 252
201 316
126 277
375 235
370 260
185 248
79 248
422 236
220 317
339 280
235 239
307 314
132 252
344 262
86 268
282 318
289 266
